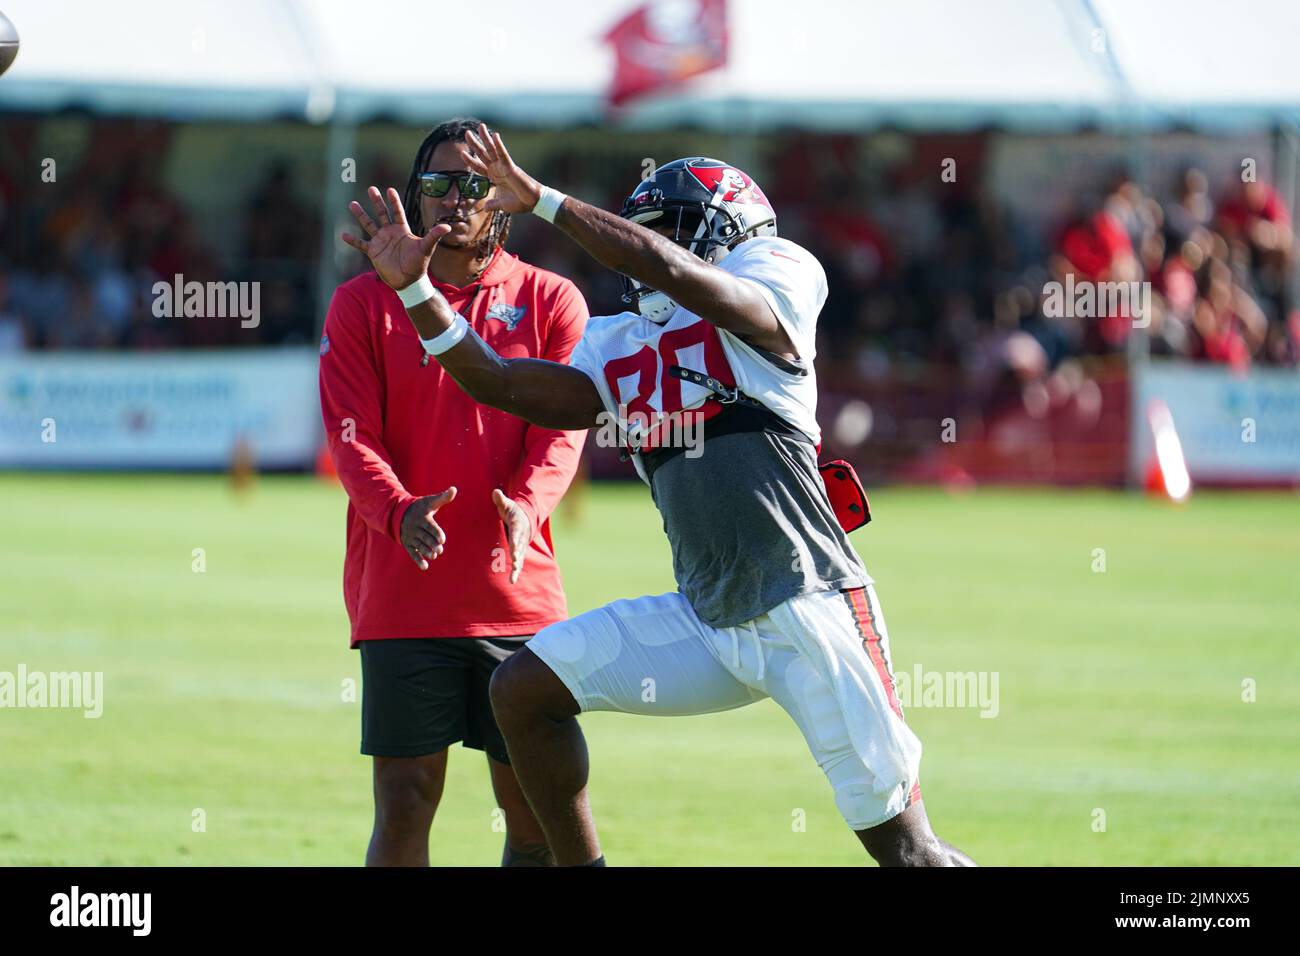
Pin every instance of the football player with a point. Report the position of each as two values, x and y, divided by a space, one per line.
772 601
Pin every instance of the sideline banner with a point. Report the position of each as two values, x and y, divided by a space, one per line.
1233 428
158 409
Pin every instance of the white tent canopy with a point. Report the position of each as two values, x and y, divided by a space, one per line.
839 63
820 64
1207 63
192 59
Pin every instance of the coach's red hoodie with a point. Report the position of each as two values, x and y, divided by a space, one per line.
398 429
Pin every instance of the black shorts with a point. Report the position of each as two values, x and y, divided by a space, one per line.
421 695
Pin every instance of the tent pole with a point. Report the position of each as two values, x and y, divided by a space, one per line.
340 146
1286 154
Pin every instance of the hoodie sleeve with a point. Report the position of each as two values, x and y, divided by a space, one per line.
551 457
352 403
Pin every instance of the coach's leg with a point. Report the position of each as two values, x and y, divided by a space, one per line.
407 791
536 714
525 840
907 840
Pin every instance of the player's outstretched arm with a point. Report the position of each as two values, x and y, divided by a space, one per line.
713 294
545 393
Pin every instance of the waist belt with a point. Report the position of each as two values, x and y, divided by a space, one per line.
724 393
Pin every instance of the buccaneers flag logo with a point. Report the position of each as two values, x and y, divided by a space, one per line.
664 42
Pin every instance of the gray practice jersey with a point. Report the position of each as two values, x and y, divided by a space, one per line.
750 526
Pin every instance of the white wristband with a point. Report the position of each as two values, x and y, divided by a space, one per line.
458 329
418 291
549 203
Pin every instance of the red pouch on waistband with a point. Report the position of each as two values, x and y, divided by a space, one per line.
847 496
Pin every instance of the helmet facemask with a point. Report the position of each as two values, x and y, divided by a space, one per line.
701 229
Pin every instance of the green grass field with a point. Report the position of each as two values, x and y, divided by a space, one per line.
1119 691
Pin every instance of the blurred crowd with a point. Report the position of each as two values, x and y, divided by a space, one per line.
81 252
1219 270
920 270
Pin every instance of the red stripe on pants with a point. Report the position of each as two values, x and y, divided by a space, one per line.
862 616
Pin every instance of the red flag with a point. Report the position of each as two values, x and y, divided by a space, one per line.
664 42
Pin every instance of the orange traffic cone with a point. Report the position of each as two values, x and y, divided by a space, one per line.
325 465
243 466
1166 472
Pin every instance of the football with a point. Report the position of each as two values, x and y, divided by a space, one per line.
8 43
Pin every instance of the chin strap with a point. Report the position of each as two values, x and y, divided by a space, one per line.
656 307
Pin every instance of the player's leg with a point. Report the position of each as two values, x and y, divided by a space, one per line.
908 840
413 707
525 842
644 656
830 669
536 713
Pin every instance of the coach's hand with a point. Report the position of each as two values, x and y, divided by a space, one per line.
421 536
398 255
519 531
516 191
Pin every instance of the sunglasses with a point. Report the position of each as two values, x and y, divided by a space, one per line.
470 185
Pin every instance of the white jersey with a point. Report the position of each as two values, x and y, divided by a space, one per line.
628 356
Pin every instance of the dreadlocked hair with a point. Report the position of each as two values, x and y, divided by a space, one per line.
452 131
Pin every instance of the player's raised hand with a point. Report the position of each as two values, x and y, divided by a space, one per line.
398 255
421 536
516 191
519 531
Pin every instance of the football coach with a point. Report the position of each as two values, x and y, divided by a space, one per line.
449 564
